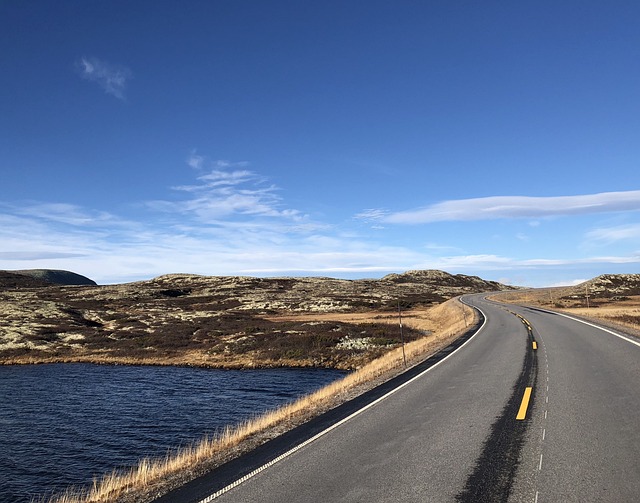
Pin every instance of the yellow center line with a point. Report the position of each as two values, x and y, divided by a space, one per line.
522 413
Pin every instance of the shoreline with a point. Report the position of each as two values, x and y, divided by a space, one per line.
153 478
116 361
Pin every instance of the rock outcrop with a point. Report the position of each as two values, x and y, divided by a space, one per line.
606 286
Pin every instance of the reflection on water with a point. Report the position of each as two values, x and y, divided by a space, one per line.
63 424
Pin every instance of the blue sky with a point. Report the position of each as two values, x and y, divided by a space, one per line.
336 138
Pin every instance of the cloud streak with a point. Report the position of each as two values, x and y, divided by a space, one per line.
65 214
111 78
510 207
128 253
230 193
232 220
119 250
614 234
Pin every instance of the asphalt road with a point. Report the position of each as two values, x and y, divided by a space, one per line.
451 433
583 443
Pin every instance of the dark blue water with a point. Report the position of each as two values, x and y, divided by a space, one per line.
63 424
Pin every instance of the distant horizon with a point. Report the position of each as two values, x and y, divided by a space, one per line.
334 138
294 275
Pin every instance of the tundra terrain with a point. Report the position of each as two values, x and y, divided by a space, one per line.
222 322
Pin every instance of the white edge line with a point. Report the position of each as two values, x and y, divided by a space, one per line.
594 326
248 476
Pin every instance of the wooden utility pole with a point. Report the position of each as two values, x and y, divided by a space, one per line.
586 294
404 356
464 313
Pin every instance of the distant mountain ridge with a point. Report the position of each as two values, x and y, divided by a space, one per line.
10 279
49 276
320 294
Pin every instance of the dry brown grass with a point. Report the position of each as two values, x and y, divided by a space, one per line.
446 321
621 312
437 319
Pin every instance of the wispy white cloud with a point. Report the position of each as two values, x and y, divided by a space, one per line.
493 262
570 282
195 161
607 235
118 250
217 178
111 78
199 162
372 215
25 255
232 220
230 193
435 247
500 207
64 213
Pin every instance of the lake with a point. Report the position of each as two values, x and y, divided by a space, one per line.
63 424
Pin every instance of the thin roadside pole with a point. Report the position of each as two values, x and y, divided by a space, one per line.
404 356
586 294
464 313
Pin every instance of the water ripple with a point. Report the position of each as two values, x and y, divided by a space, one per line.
63 424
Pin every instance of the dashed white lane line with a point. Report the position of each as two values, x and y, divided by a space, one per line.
595 326
546 412
546 359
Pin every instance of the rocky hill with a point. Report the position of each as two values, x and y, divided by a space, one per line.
12 279
606 286
216 318
613 285
314 294
50 276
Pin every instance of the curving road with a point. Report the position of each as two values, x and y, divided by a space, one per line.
583 443
451 433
